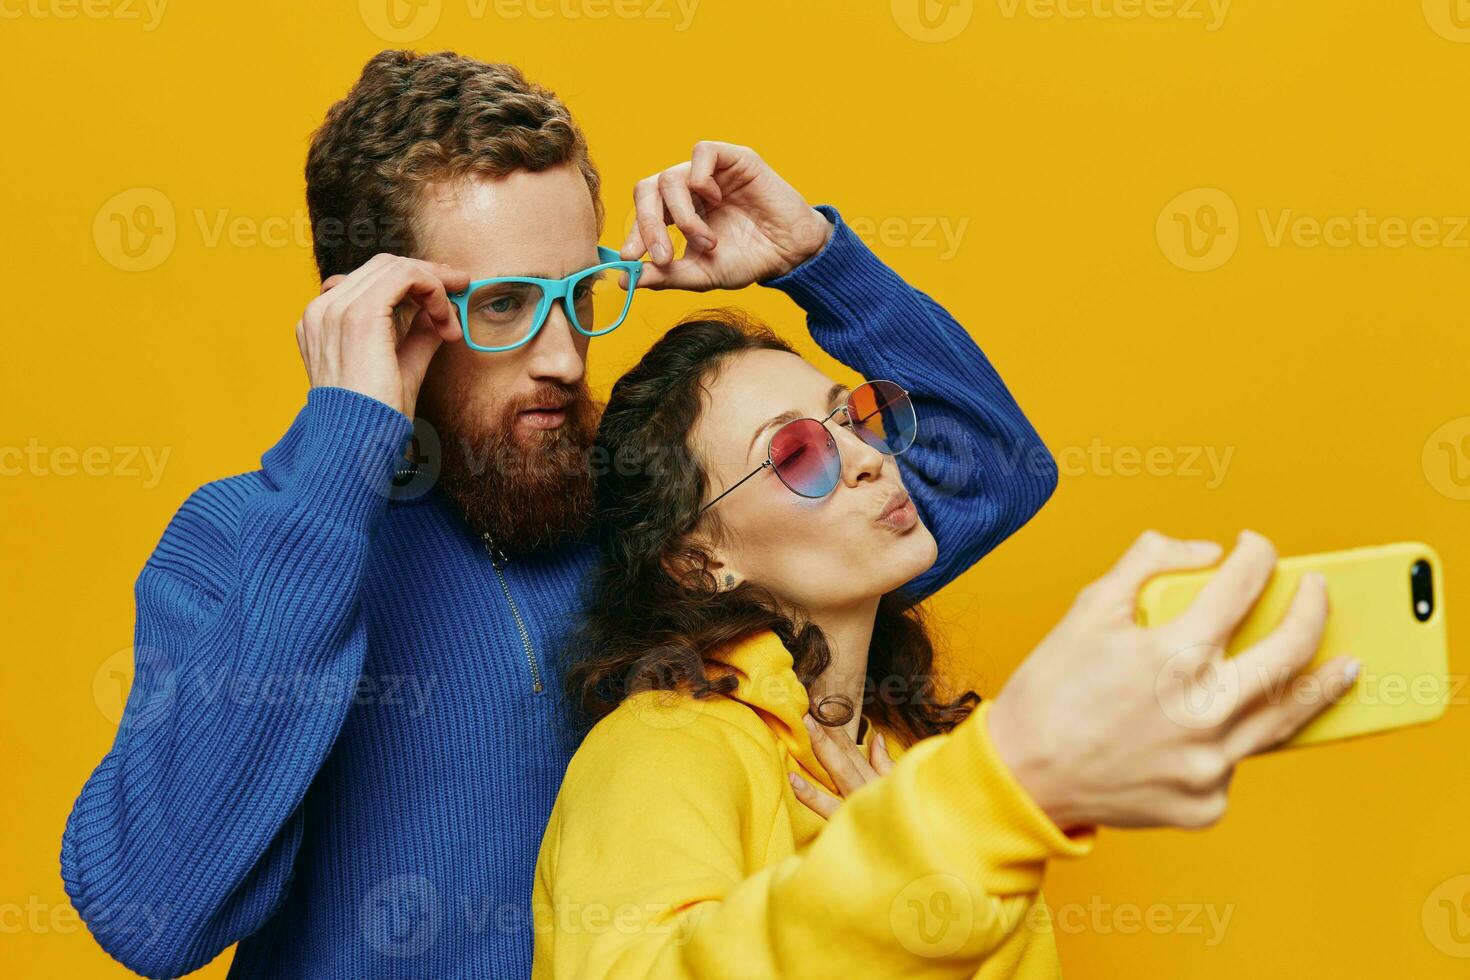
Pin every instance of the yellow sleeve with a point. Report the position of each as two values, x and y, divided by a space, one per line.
654 865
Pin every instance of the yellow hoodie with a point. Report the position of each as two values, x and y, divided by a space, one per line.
677 849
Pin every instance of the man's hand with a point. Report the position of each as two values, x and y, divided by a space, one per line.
1110 723
375 330
743 222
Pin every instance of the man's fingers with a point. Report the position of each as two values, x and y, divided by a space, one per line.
1267 667
415 352
703 163
427 284
367 271
1278 719
651 224
682 273
815 800
1229 594
633 246
1151 554
681 208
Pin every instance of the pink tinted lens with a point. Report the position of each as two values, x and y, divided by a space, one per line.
804 456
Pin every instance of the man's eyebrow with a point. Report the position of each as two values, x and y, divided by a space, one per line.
789 416
546 273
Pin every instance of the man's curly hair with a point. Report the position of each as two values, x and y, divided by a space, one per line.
411 119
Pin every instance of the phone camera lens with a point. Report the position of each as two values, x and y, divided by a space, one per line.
1421 590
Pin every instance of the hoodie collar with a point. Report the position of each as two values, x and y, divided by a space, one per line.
767 683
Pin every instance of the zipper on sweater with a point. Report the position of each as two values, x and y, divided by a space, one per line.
498 561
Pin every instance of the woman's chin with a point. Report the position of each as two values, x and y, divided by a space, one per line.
907 557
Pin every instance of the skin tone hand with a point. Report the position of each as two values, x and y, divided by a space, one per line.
375 330
742 221
844 762
1110 723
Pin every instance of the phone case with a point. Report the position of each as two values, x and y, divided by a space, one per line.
1404 678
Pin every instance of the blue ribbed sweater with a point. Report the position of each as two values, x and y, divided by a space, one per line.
344 735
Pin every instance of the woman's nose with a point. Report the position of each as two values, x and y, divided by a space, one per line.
860 461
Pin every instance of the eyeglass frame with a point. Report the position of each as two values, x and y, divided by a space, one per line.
823 423
552 290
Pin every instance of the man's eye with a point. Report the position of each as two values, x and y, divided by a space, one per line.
586 287
499 306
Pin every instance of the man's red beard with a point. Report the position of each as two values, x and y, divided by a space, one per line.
528 493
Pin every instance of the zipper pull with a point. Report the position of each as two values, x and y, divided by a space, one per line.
498 560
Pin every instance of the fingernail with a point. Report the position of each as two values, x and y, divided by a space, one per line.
796 781
1316 578
1351 673
810 723
660 253
705 244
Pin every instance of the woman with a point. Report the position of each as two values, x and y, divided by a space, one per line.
749 658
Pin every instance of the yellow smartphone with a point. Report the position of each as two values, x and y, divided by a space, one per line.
1387 610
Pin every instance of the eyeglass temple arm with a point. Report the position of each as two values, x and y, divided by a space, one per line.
747 477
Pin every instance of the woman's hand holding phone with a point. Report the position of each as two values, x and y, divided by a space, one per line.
1115 724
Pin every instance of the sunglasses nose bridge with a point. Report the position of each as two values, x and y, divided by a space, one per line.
856 459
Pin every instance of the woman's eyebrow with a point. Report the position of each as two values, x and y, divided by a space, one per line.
833 394
774 420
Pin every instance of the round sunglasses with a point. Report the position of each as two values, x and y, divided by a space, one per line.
804 456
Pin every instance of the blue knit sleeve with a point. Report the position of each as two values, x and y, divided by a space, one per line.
978 470
248 646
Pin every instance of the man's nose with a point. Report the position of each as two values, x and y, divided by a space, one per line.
559 352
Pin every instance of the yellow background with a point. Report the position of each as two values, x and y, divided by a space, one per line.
1049 146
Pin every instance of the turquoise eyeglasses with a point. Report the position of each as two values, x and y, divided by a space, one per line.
507 312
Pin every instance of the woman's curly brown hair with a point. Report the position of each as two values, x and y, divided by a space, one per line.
648 629
411 119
